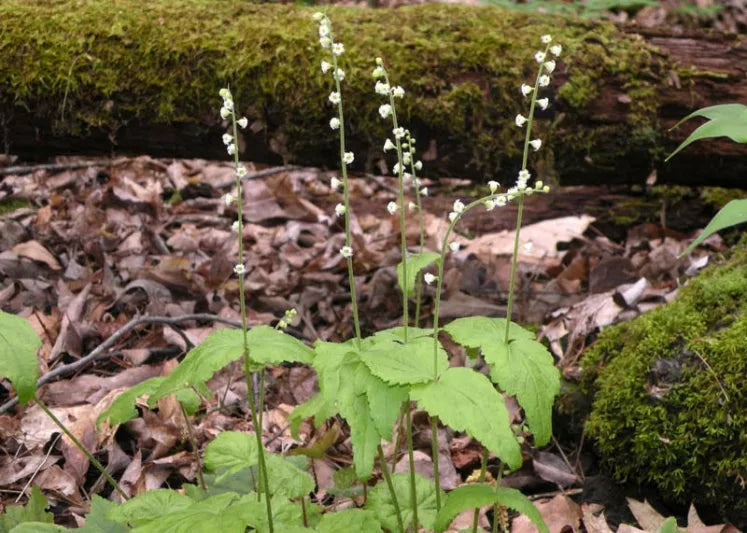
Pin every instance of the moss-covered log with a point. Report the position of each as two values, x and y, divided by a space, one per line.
85 76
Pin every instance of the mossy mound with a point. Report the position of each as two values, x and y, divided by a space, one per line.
77 67
670 394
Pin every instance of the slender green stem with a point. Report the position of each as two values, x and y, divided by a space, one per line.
434 453
496 507
246 354
82 448
514 263
483 472
193 444
411 457
390 485
400 425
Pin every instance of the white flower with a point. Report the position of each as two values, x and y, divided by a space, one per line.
388 145
429 278
339 74
391 207
539 57
243 122
524 176
546 39
500 201
317 16
458 206
526 90
334 97
520 120
231 149
398 132
398 92
395 169
225 112
412 206
228 199
454 246
334 184
339 210
528 246
225 94
325 42
538 184
338 49
489 204
325 67
418 165
323 30
453 216
556 49
544 80
385 110
346 251
546 188
235 226
424 191
381 88
228 104
334 123
239 269
241 171
493 185
536 143
418 182
378 72
348 157
406 158
543 103
227 139
550 66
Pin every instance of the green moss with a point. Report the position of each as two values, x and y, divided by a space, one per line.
8 205
718 197
670 405
85 65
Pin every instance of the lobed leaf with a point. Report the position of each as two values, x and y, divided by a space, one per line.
96 518
481 495
380 501
149 506
465 400
406 364
34 511
415 263
18 346
357 520
725 120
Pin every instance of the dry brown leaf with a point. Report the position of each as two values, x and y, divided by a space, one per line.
36 251
594 519
561 514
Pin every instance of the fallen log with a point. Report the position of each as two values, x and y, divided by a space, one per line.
134 76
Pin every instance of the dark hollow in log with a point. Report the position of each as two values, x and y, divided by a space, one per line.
142 76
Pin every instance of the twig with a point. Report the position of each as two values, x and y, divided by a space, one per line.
100 350
39 467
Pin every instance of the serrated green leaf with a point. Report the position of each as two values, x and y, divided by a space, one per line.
726 120
481 495
523 368
209 514
465 400
733 213
316 407
385 401
328 360
266 345
380 501
395 334
149 506
122 408
406 364
97 521
38 527
363 434
415 263
33 511
344 478
18 346
286 478
286 516
357 520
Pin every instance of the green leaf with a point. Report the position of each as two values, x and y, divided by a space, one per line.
380 501
286 478
210 514
18 346
363 434
316 407
149 506
349 520
286 516
523 368
465 400
384 401
415 263
122 408
38 527
669 526
726 120
33 511
481 495
97 521
404 364
266 345
396 334
733 213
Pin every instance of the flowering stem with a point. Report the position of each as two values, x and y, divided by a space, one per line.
411 459
346 203
390 485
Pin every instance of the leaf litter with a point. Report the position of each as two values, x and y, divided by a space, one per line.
126 238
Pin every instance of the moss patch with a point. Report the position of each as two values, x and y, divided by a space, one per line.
84 65
670 402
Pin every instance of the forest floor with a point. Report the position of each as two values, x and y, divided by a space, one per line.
90 245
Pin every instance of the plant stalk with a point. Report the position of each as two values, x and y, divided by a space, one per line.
390 485
411 457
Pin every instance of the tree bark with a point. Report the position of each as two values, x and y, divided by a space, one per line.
142 77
